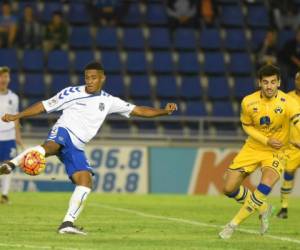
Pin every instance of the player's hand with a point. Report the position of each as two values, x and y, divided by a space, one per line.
9 118
274 143
171 107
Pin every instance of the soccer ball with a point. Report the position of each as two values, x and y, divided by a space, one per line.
33 163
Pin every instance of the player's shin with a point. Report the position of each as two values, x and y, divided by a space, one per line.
76 203
254 202
18 159
6 179
286 189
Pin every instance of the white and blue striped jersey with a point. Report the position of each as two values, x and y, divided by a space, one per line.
9 105
83 113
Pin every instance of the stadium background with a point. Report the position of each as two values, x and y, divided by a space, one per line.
206 70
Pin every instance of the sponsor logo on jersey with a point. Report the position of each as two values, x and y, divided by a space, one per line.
52 102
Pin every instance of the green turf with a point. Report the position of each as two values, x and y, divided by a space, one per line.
30 222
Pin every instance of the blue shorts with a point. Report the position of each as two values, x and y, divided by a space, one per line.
8 150
73 158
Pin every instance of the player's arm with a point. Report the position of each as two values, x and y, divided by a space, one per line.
148 112
33 110
18 133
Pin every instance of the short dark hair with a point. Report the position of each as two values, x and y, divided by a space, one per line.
94 65
268 70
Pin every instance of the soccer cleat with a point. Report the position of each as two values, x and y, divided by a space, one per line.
283 213
67 227
227 231
6 167
264 219
4 199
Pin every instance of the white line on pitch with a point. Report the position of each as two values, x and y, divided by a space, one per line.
37 247
191 222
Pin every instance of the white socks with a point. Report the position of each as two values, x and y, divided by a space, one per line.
76 203
18 159
5 183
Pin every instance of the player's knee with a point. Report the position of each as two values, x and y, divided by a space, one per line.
230 191
51 148
83 178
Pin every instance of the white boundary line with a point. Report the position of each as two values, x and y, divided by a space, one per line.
37 247
191 222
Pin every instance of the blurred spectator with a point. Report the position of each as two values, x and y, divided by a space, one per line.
267 51
182 13
56 33
207 12
290 55
107 12
284 14
8 26
29 30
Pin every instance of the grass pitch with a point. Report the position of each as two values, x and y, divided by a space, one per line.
139 222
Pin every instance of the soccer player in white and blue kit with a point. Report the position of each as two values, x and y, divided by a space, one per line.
9 132
84 110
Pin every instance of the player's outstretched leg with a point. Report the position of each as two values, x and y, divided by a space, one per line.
286 189
83 183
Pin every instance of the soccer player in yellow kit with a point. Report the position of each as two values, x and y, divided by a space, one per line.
293 158
266 117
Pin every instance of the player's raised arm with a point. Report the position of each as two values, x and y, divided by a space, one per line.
35 109
148 112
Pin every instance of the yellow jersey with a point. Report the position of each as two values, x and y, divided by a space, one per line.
270 117
294 134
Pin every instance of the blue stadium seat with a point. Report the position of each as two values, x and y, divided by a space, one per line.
190 88
240 63
166 87
218 88
185 39
58 60
235 39
136 62
223 109
133 38
78 13
243 86
257 38
258 16
49 8
82 58
59 82
80 38
139 87
133 16
214 63
111 61
156 14
231 16
162 62
34 86
159 38
14 84
106 37
8 57
210 39
195 108
33 60
188 63
115 85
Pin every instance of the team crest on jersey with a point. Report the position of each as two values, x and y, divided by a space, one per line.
101 106
255 109
52 102
282 99
278 110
